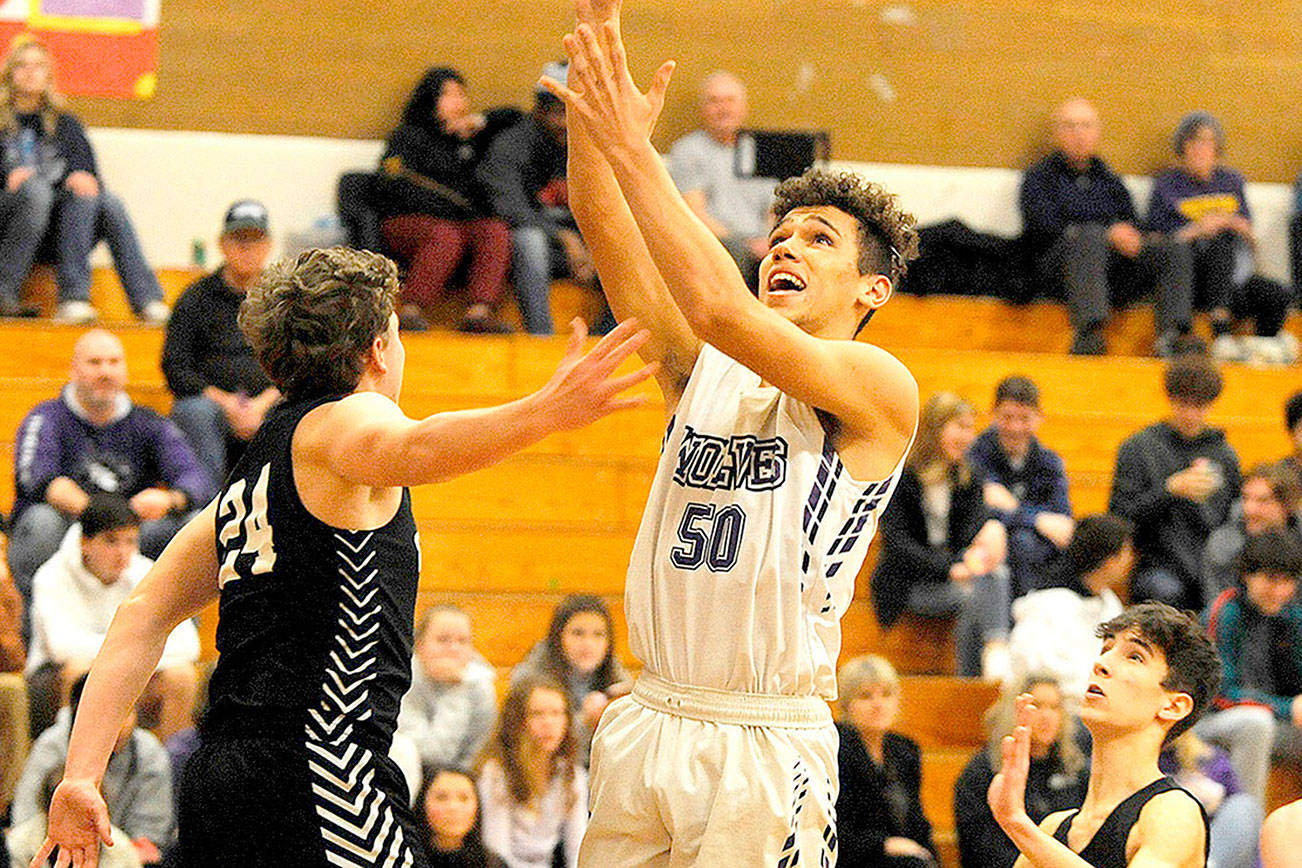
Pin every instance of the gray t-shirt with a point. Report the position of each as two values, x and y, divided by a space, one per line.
698 162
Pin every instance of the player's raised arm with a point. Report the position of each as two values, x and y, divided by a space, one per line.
629 277
868 391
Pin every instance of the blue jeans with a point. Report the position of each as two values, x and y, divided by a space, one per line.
24 219
982 607
204 424
531 270
83 220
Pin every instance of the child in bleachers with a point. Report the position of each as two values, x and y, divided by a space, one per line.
943 554
579 652
533 794
1236 816
448 820
1055 780
451 707
880 823
1257 628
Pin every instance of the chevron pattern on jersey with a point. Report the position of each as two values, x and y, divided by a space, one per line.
820 497
791 854
357 823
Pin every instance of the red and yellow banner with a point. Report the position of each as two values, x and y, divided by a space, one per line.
101 47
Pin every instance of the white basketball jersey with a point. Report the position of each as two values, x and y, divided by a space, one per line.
753 535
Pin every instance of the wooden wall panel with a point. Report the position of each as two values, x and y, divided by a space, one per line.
912 81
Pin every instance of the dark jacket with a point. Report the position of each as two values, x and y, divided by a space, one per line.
1261 655
421 151
1049 788
1039 486
53 156
1055 195
1179 199
524 174
1170 532
204 345
907 559
865 816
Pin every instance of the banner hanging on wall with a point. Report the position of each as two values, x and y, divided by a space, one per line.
101 47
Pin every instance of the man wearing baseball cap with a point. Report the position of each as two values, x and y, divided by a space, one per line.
220 389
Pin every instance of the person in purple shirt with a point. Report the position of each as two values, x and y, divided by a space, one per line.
1082 233
1201 202
93 439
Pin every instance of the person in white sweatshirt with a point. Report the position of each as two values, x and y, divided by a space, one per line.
74 597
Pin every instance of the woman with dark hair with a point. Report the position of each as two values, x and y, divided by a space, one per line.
579 653
432 207
943 552
1059 771
448 820
533 794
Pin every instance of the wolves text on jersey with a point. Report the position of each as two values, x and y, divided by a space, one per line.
730 463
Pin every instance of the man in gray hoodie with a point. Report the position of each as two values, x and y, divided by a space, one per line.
1175 480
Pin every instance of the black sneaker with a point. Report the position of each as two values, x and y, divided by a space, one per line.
19 310
1089 342
484 325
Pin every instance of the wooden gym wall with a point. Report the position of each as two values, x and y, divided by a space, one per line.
916 81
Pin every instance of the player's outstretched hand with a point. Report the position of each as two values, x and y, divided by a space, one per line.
1007 794
596 11
615 113
584 387
78 822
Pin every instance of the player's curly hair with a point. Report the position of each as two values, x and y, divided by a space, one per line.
887 239
311 319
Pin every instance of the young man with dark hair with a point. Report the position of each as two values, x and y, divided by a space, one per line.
312 549
1155 676
1176 480
785 441
1257 628
1025 483
1268 500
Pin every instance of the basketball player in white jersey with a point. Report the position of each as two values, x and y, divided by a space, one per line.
784 442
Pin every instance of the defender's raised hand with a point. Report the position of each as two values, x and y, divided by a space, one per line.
611 108
584 387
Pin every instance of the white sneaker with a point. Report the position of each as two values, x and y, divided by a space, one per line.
1228 348
1288 345
155 313
996 662
75 313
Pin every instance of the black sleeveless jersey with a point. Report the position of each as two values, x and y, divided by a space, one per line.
315 625
1107 849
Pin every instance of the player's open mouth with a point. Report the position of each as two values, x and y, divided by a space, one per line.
782 282
1094 690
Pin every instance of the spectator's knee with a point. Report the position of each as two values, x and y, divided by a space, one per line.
35 201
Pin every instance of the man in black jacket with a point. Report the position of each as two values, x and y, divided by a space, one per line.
1080 227
1176 480
220 389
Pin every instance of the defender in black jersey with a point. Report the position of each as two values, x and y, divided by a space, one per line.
1155 677
313 552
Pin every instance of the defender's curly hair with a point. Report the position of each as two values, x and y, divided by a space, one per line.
887 239
311 320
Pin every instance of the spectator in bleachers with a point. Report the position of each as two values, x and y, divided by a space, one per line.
1293 423
702 163
50 181
1201 203
1270 497
943 554
451 708
93 438
24 839
1081 230
13 692
137 782
879 808
1257 628
1025 483
533 794
435 211
1206 772
74 597
579 652
1281 836
524 173
1055 780
13 650
448 819
221 392
1054 628
1176 480
181 745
